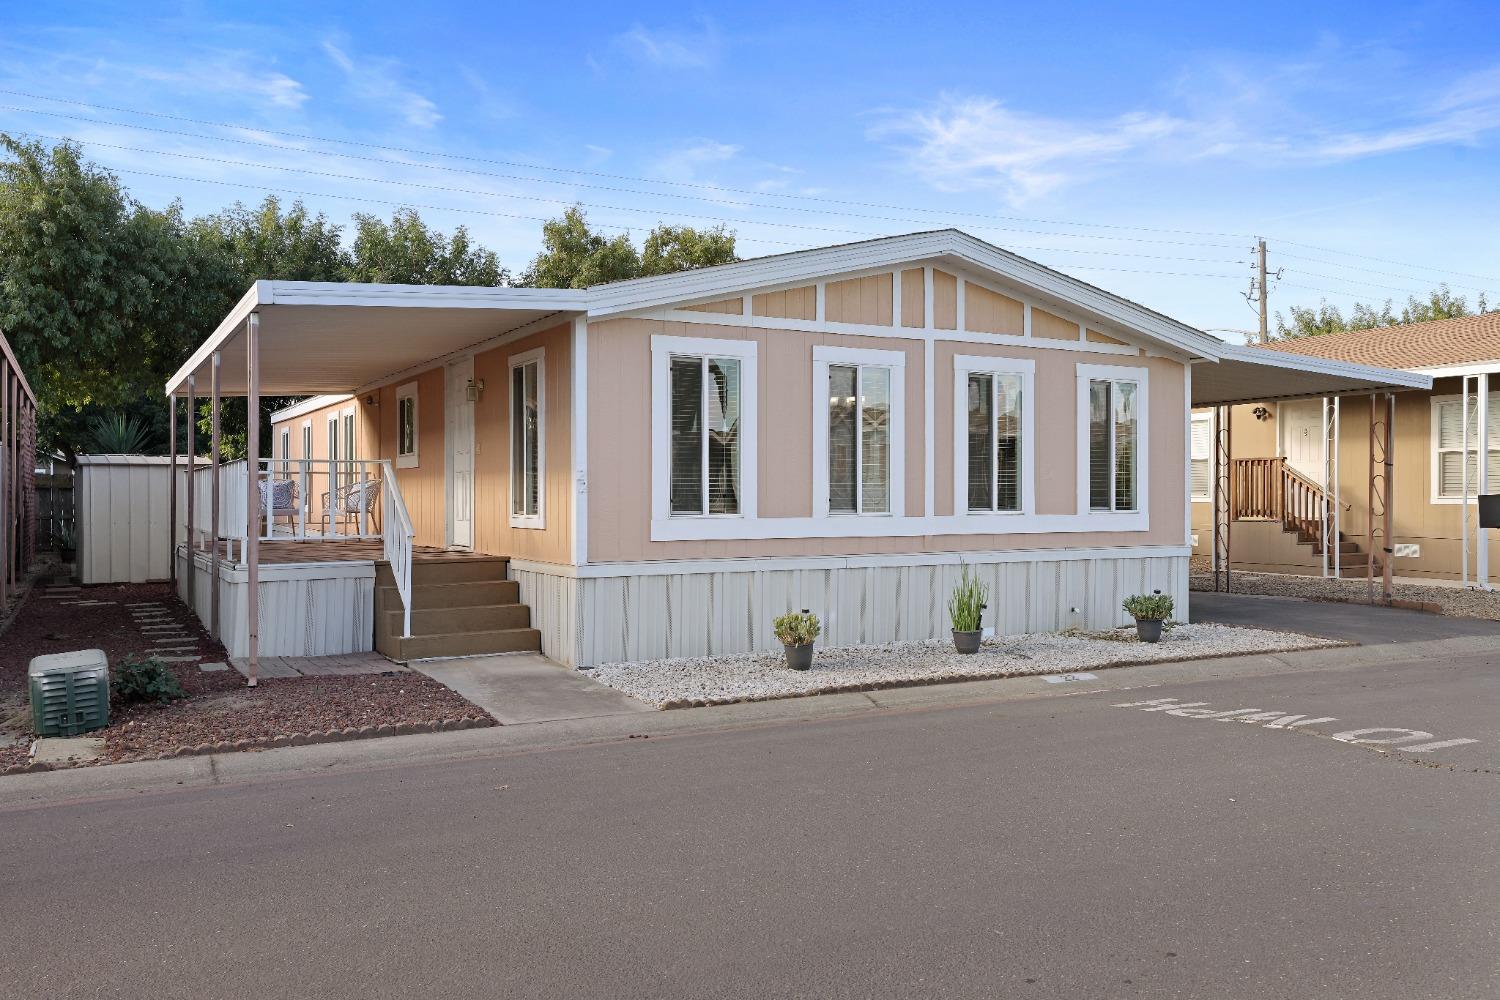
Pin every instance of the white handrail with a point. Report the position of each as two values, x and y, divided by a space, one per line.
398 535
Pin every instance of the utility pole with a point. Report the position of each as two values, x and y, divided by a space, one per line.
1259 295
1260 247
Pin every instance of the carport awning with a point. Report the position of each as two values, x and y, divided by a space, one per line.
1245 374
334 337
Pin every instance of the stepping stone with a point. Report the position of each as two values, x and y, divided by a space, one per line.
144 604
60 749
63 590
178 659
212 668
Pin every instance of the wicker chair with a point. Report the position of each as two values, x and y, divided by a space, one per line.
279 498
347 502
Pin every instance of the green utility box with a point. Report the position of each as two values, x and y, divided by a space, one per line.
69 692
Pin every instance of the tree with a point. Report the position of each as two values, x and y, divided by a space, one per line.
1439 304
405 252
265 243
575 256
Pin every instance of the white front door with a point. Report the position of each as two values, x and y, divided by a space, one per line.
459 425
1302 436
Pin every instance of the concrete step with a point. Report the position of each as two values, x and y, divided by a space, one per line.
511 640
454 595
479 618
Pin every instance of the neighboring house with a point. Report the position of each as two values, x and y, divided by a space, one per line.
17 473
661 466
1435 534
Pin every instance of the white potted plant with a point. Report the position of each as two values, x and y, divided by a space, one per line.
1151 612
966 611
797 632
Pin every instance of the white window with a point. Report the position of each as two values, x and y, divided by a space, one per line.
286 451
527 440
1202 457
993 455
406 426
858 431
306 467
1448 446
703 428
1112 440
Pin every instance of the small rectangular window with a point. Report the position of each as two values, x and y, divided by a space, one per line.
406 426
526 439
859 439
995 441
1113 445
705 413
1203 456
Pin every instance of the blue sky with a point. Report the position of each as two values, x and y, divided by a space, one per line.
1138 149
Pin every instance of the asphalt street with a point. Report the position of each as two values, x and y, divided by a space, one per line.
1114 844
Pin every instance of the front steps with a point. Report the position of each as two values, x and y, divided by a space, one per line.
462 605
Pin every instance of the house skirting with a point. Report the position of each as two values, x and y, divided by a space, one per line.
607 613
306 609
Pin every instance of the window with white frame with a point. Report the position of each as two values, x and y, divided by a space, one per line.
1202 456
286 451
526 439
703 427
1449 466
306 467
993 454
1112 410
858 430
406 426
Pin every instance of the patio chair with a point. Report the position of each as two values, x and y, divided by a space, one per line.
279 498
348 501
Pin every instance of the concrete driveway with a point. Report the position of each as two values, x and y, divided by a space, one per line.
527 687
1360 623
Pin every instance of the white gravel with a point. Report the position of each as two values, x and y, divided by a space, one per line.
687 681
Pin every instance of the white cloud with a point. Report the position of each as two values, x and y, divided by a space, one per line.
673 49
377 81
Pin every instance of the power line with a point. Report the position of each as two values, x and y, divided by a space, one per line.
1371 270
1387 260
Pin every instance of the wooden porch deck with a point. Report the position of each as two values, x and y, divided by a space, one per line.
281 552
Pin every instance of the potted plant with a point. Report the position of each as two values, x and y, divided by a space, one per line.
966 611
797 632
1150 612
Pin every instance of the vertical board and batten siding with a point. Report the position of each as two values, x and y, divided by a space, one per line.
124 518
645 616
311 609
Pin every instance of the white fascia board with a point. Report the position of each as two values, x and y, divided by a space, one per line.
1393 378
348 293
308 406
1463 368
258 295
810 265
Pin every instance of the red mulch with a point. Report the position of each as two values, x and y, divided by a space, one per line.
219 707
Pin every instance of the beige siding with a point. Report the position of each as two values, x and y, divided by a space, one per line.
913 297
990 312
1095 337
859 300
733 307
1046 325
793 303
944 300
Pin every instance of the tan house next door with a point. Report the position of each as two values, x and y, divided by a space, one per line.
1302 436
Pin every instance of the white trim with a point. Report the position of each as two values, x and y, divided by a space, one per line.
725 528
1187 447
310 405
768 564
1115 373
548 322
929 428
413 458
895 361
662 349
965 365
579 432
1461 368
1374 378
537 356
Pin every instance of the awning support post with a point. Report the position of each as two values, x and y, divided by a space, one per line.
213 559
1464 480
252 504
1222 498
172 485
1337 503
1482 468
1328 477
192 490
1379 497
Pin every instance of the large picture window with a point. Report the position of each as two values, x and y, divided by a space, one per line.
1113 473
703 427
526 440
992 433
857 430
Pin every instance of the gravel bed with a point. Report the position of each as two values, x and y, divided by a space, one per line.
1454 601
687 681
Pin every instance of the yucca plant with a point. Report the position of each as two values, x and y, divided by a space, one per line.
117 434
966 610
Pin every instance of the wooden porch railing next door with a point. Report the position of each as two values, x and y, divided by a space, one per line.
1268 489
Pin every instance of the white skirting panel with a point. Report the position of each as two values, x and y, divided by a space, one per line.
306 609
714 611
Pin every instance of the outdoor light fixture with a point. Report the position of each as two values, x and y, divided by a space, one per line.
1261 413
475 387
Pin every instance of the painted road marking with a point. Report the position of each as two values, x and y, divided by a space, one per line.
1405 740
1069 678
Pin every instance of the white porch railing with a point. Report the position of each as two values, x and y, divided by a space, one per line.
398 535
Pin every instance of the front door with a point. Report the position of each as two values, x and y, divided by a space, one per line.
459 425
1302 436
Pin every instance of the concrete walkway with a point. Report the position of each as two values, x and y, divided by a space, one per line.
1360 623
528 687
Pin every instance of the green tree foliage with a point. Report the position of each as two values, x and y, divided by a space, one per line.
265 243
575 256
406 252
1440 303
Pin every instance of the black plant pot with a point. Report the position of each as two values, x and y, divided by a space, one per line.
799 657
967 642
1148 629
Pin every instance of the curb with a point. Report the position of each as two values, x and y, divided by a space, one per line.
272 742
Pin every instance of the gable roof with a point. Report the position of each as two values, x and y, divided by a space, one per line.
1411 346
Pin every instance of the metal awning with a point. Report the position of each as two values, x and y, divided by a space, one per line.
1246 374
327 337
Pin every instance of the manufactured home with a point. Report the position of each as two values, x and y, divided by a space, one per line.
661 466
